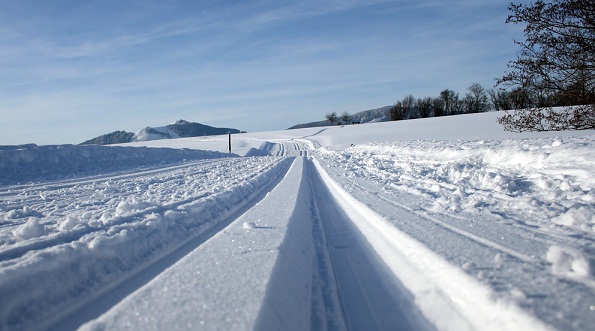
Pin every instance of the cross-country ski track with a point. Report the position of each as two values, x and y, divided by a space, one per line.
292 236
306 262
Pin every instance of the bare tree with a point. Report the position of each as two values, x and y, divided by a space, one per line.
557 60
396 112
408 103
458 106
424 105
438 107
331 117
477 99
467 104
449 98
346 118
520 98
500 99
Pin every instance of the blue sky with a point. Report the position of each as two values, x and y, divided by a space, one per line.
71 70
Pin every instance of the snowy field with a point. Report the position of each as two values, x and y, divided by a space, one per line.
435 224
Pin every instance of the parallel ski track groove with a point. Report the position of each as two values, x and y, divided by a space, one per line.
490 244
113 293
482 241
66 183
369 299
17 251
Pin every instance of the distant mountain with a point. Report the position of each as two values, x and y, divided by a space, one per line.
179 129
366 116
115 137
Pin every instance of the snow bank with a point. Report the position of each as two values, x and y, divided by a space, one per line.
449 298
19 164
255 277
69 257
547 182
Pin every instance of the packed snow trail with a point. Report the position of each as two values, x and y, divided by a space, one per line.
464 234
371 298
97 233
255 274
516 252
283 147
104 301
271 269
258 272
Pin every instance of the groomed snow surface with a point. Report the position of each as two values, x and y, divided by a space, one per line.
434 224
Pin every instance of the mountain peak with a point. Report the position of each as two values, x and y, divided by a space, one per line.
179 129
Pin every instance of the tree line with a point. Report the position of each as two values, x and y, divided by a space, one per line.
551 85
477 99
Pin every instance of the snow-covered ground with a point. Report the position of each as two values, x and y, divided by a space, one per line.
435 224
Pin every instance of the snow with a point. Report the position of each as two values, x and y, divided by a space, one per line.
21 164
449 298
266 268
515 178
154 133
31 229
443 223
568 262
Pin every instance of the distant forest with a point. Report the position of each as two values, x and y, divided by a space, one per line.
477 99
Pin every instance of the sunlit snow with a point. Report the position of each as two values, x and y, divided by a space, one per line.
443 223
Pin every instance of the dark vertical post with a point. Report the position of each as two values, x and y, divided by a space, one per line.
229 143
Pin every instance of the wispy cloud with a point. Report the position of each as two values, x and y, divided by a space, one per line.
103 64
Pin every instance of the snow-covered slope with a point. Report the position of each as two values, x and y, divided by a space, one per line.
443 223
25 163
179 129
366 116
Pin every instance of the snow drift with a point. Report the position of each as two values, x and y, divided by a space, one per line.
20 164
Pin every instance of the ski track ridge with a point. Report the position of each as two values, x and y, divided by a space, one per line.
102 301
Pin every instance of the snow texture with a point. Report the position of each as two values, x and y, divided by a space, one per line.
25 163
460 225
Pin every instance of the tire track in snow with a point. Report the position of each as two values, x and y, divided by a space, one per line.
469 235
527 237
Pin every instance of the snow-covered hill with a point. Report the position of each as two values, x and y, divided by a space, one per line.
179 129
366 116
432 224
